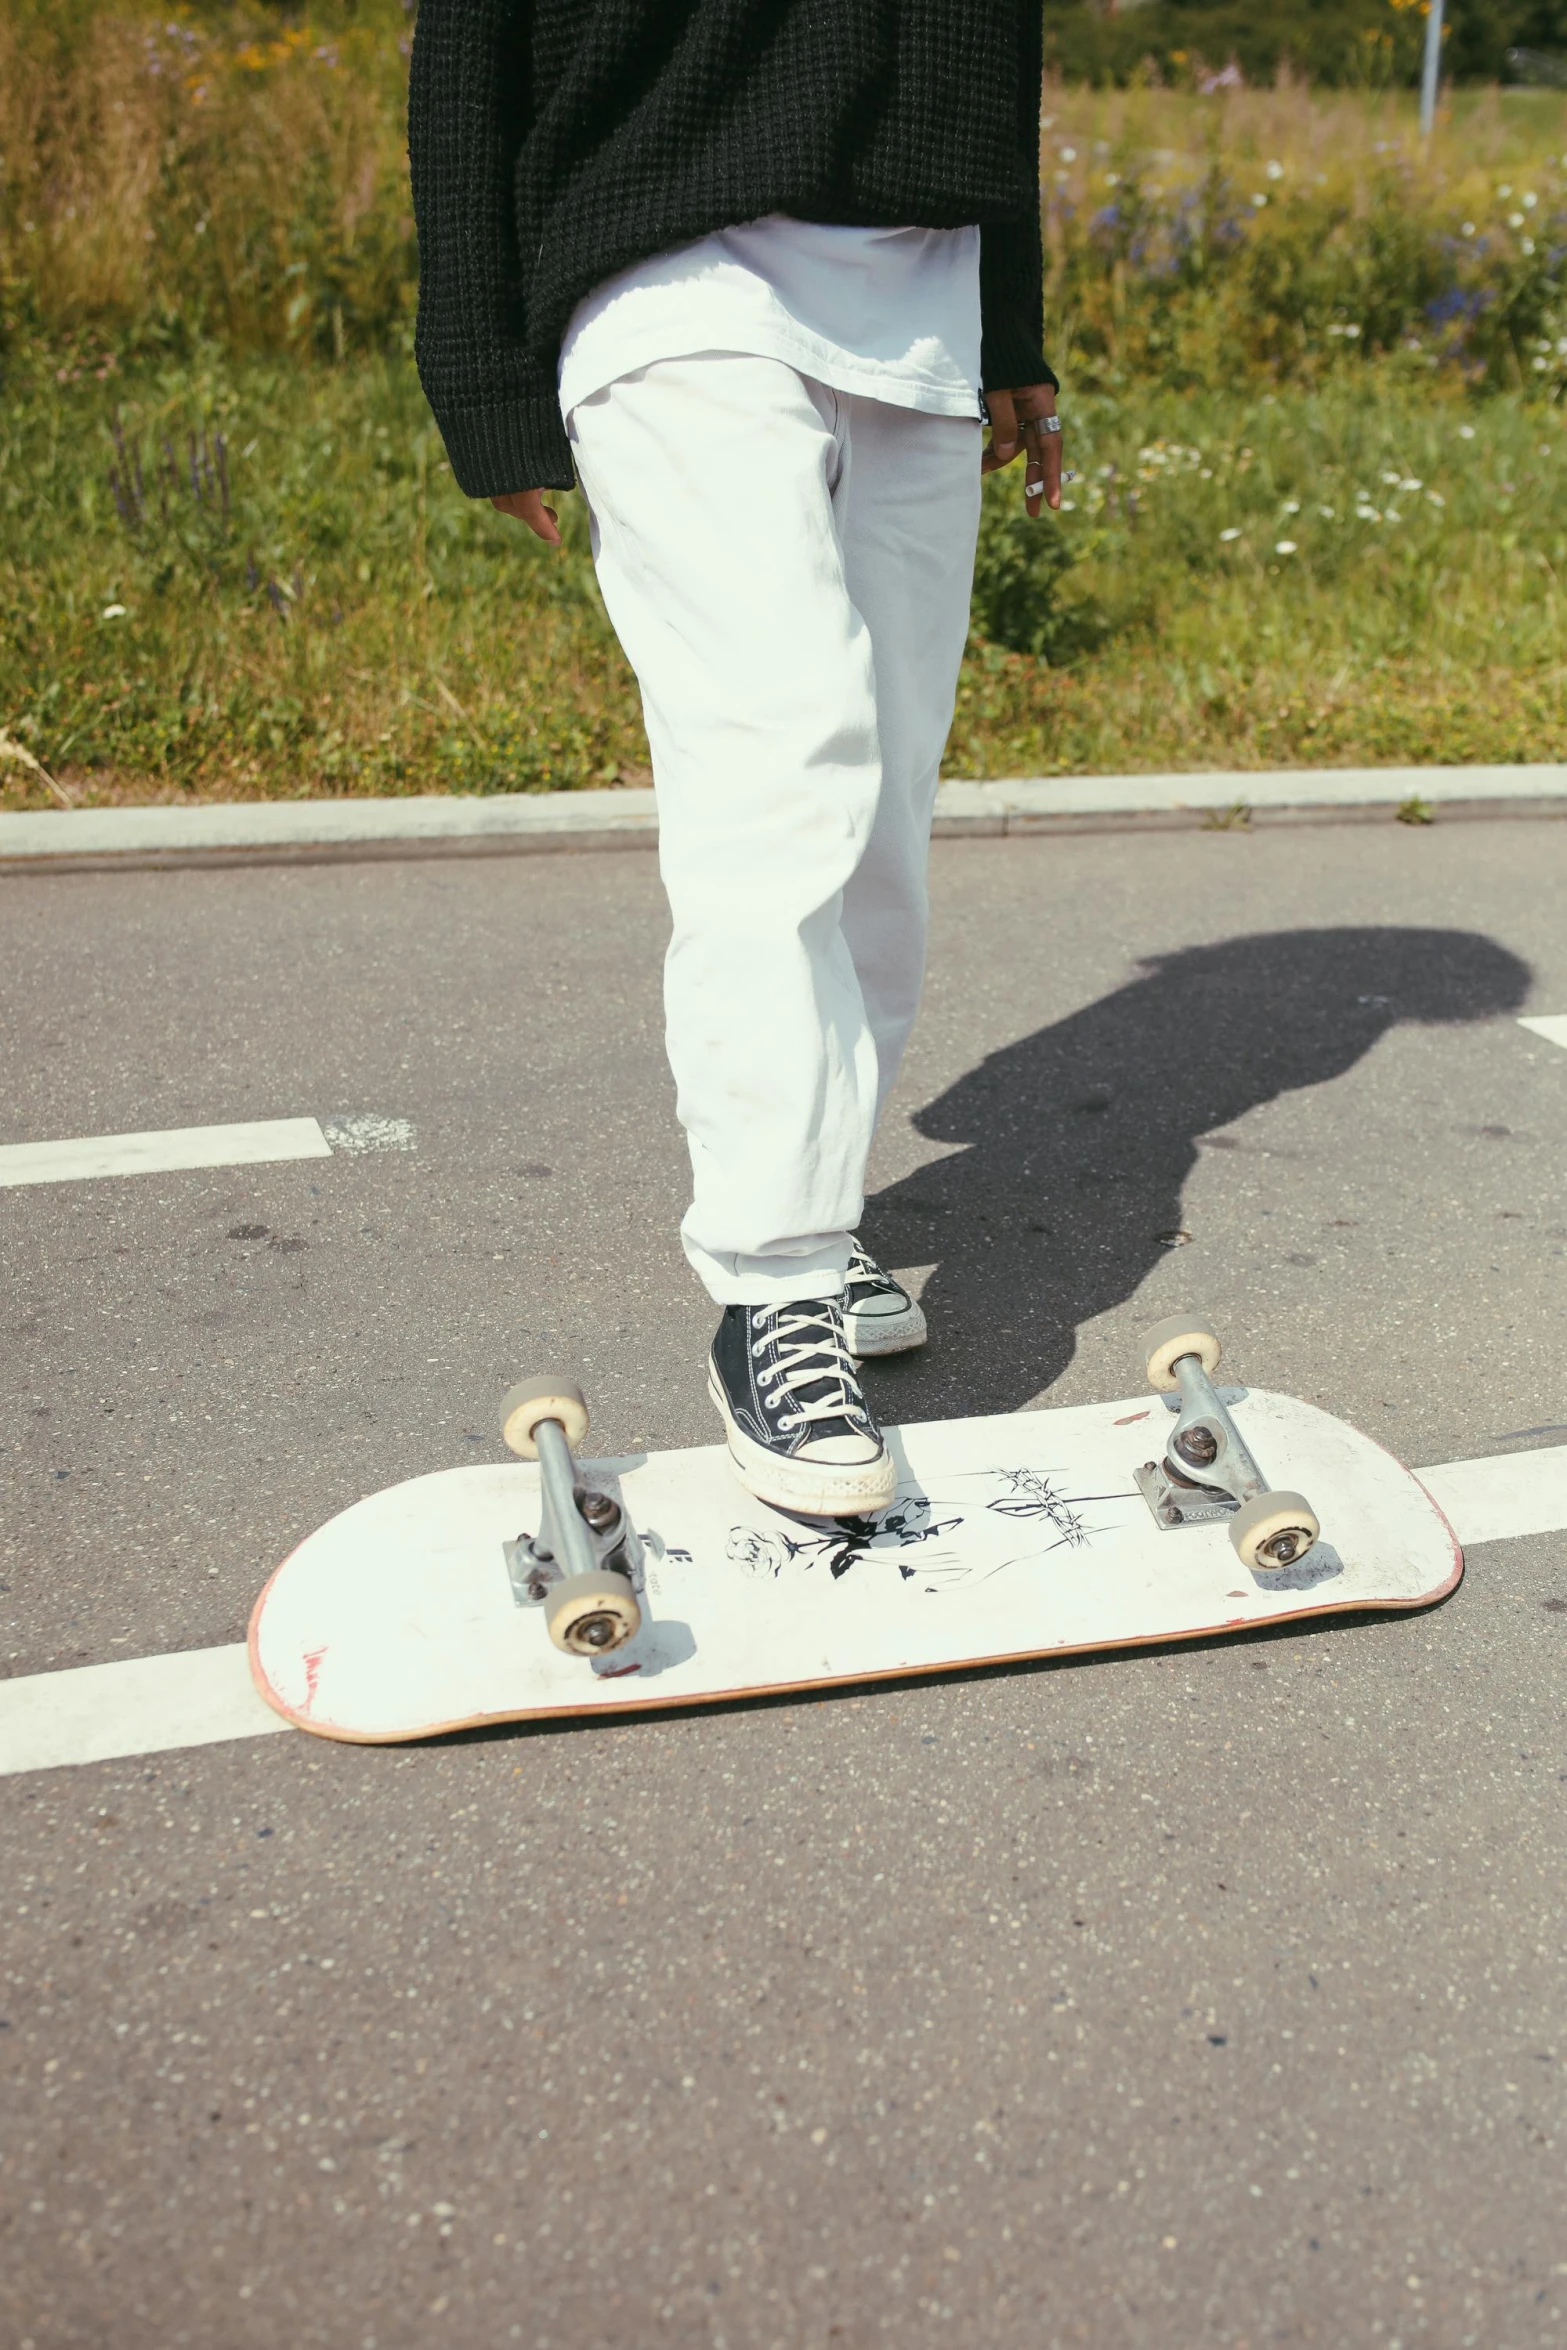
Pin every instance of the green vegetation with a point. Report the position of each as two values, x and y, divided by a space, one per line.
1354 44
1313 380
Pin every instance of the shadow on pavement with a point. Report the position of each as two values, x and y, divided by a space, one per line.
1080 1138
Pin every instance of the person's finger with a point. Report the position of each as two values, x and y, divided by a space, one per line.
1050 452
1042 466
1003 431
1033 468
528 506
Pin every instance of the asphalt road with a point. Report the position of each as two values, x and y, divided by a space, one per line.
1210 1996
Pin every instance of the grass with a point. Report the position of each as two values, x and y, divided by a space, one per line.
1314 377
351 623
1344 578
296 600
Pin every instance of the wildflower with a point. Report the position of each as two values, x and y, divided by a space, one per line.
1326 513
1275 171
1284 546
1507 191
1292 505
1529 202
1409 483
1259 200
1068 154
114 612
1231 533
1205 473
1466 432
1069 505
1367 514
1468 229
1392 515
1526 245
1392 480
1515 220
1112 179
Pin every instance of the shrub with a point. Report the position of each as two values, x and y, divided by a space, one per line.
1281 236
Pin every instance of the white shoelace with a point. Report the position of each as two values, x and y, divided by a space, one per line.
864 1271
809 1339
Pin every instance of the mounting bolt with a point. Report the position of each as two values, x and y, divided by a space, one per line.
1198 1447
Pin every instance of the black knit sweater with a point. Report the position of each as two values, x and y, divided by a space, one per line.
556 142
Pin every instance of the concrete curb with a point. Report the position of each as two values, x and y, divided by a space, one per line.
438 824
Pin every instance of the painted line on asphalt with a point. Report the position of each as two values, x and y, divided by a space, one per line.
1551 1025
157 1153
205 1696
1503 1496
260 1142
145 1705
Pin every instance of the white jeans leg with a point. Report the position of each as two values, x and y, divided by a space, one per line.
719 488
909 515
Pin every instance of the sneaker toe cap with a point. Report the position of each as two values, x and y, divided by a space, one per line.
841 1452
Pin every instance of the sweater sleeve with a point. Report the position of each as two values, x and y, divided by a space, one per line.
469 103
1011 256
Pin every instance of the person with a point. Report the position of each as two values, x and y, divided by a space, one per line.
753 273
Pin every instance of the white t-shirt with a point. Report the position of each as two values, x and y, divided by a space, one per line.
891 313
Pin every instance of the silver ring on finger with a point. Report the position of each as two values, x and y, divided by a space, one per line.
1050 424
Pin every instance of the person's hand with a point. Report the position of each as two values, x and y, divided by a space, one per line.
528 506
1017 422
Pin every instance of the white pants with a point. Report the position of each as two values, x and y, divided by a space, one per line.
788 569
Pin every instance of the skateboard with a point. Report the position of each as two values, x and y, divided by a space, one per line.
555 1586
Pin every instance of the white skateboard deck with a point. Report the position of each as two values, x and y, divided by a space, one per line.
1011 1537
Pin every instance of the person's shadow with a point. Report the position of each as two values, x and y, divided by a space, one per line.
1079 1138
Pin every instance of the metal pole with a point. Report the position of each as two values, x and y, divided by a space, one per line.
1431 74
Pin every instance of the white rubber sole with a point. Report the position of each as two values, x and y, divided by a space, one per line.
811 1487
884 1334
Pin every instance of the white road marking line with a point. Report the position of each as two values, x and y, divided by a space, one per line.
1509 1494
1551 1025
148 1704
201 1696
158 1153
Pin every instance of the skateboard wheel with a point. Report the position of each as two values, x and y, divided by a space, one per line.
1167 1341
588 1615
1274 1530
533 1400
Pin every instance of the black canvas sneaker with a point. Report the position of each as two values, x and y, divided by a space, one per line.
801 1435
879 1316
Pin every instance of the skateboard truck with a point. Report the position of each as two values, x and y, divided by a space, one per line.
576 1567
1208 1471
